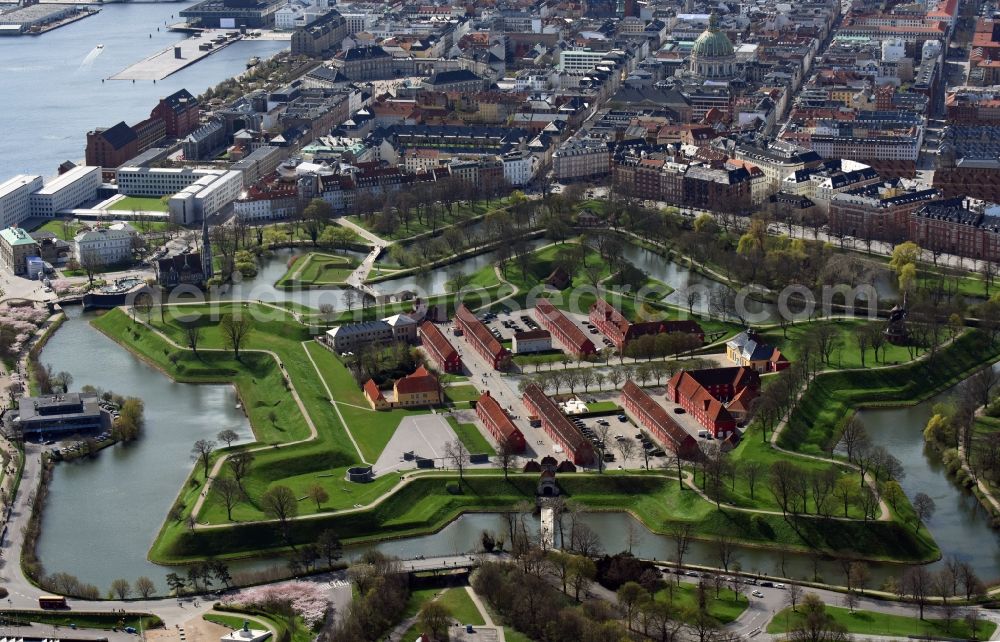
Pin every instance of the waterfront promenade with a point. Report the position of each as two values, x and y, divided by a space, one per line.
164 63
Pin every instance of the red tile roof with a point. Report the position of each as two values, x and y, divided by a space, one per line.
663 424
490 407
436 342
479 331
372 391
420 380
570 436
559 322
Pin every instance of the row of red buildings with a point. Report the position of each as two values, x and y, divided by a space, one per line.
657 420
498 422
562 431
481 339
439 348
620 330
718 398
563 328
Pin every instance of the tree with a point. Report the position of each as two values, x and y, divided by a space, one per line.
792 595
506 455
91 262
629 595
120 588
144 587
235 328
456 452
318 494
726 547
192 334
230 493
239 465
143 304
752 470
202 450
434 620
816 625
582 572
329 546
853 435
176 583
681 533
923 508
278 502
228 435
917 584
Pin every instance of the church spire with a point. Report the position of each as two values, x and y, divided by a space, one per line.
206 251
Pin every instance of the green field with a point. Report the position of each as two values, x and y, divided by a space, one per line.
725 608
461 606
460 393
139 204
872 623
83 619
318 270
846 354
425 505
469 435
815 424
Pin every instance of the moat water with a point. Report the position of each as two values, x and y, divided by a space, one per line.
131 488
52 90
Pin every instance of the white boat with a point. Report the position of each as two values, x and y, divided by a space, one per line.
100 46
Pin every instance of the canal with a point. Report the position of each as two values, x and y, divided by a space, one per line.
135 485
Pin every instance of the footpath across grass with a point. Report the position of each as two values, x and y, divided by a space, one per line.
872 623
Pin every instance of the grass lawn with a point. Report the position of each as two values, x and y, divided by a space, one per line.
415 226
317 269
684 596
139 204
469 435
815 424
461 606
512 635
456 394
84 619
846 353
872 623
373 429
233 621
279 625
539 358
63 229
425 505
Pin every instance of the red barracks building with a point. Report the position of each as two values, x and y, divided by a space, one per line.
498 422
717 397
558 427
439 348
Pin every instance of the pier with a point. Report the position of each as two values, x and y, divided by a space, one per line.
166 62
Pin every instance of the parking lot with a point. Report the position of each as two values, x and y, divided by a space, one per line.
620 437
505 325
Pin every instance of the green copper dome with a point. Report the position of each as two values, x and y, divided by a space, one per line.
712 43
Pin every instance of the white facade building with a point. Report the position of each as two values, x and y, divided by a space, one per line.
159 181
15 199
264 209
518 168
69 190
531 341
108 246
580 60
205 197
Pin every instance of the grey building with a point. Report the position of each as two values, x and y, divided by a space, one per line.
62 414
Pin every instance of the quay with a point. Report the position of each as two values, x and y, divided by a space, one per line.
37 19
178 56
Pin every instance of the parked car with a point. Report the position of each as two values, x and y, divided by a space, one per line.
757 594
767 584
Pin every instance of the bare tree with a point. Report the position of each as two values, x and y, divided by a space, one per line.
202 450
726 548
235 328
506 457
230 493
923 507
239 464
192 334
228 435
854 434
456 452
279 502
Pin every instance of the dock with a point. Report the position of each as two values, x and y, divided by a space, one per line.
167 62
